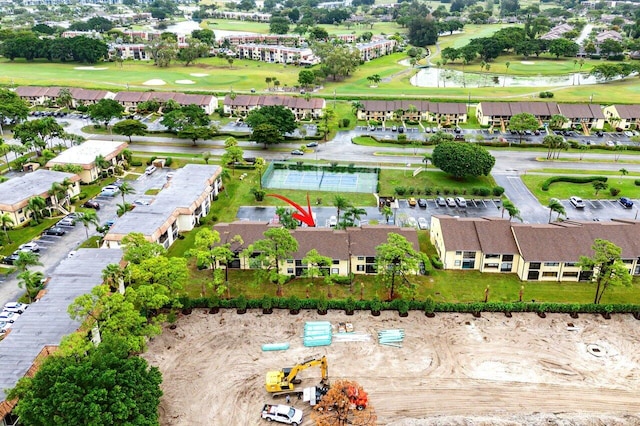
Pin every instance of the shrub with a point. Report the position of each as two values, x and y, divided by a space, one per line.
411 190
322 304
402 138
82 195
168 161
429 305
485 192
294 303
241 302
446 191
267 302
637 182
375 305
428 191
436 262
342 280
400 190
572 179
402 305
350 304
346 122
498 191
614 191
136 163
151 160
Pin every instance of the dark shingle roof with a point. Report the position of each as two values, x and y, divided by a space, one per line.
266 100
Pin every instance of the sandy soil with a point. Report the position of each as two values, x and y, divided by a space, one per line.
185 82
90 68
452 369
154 82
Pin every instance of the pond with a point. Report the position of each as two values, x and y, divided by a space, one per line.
438 77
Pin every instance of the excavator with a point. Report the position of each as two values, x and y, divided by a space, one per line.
280 383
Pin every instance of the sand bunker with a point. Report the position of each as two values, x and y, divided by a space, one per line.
154 82
527 62
185 82
90 68
198 75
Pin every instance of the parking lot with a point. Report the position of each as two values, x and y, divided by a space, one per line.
600 210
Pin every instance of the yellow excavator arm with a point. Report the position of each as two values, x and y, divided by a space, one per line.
284 379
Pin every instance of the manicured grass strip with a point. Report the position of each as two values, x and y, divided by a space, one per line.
565 190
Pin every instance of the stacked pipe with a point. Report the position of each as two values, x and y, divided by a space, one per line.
393 337
317 333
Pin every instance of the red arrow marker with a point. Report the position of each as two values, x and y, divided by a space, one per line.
304 216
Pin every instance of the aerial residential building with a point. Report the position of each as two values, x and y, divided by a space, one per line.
85 154
16 192
376 48
270 39
178 207
498 114
37 95
130 100
608 35
587 116
623 116
352 250
535 252
276 54
302 108
242 16
557 32
444 113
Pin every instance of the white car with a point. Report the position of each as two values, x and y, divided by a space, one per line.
282 414
333 222
422 223
67 221
451 202
141 202
149 170
461 202
109 190
611 143
577 202
9 316
4 327
16 307
30 247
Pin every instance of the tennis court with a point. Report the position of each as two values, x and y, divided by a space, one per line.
320 180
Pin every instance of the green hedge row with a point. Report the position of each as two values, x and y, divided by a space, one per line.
572 179
351 168
402 305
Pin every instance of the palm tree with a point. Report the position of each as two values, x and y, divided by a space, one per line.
511 208
356 106
126 189
6 220
556 206
623 172
123 208
36 205
351 215
506 64
88 218
65 98
111 275
205 156
340 203
26 259
102 163
31 282
5 149
387 213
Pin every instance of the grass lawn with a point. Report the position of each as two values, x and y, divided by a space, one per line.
25 234
564 190
432 179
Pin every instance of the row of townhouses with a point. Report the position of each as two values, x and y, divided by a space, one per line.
495 114
535 252
302 108
277 54
352 250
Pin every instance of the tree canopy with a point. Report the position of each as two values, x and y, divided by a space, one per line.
266 134
12 107
395 259
276 115
607 267
105 110
277 246
462 159
130 128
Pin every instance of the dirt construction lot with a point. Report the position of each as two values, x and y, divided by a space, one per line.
453 369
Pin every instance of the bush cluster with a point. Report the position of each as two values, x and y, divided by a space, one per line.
546 94
572 179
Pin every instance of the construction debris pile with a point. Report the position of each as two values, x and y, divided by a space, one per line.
393 337
317 333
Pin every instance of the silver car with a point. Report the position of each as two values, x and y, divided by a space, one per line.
451 202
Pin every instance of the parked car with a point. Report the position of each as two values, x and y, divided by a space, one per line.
9 316
15 307
610 143
10 260
599 133
628 133
422 223
91 204
67 221
54 230
461 202
400 129
109 223
394 128
282 414
297 152
333 222
312 144
412 202
109 191
451 202
4 327
31 246
149 170
141 202
412 222
440 201
422 203
577 202
626 202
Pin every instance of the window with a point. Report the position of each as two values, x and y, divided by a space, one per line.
360 257
570 264
551 263
335 270
360 268
549 274
570 274
534 265
289 260
492 256
457 263
491 265
290 271
335 262
506 267
507 257
458 253
533 275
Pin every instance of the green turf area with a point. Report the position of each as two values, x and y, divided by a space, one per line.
432 179
564 190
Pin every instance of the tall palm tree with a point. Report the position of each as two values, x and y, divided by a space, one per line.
506 64
5 149
511 208
341 204
387 213
102 163
111 275
356 106
6 220
26 259
352 214
31 282
36 205
126 189
88 218
57 192
556 206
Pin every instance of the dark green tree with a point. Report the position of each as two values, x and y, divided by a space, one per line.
522 122
105 110
607 267
266 134
462 159
423 31
279 116
395 260
130 128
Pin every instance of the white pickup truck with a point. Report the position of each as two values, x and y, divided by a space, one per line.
282 414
